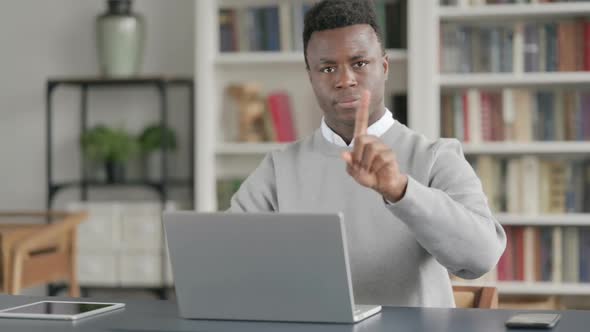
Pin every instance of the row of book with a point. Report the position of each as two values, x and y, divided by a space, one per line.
543 254
530 185
499 2
280 27
562 46
262 28
522 115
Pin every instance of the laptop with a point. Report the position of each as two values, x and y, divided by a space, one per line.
262 266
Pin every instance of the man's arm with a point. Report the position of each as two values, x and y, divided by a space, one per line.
258 192
450 217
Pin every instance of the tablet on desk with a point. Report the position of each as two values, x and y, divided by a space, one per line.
63 310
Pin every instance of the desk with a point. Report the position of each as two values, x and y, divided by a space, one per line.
162 316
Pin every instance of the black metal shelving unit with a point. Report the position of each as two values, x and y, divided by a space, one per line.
161 84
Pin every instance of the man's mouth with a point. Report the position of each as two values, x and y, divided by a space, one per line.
348 102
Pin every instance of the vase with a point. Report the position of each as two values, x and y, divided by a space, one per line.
120 35
115 171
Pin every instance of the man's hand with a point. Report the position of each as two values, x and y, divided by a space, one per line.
372 163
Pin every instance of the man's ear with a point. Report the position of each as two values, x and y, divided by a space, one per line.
386 66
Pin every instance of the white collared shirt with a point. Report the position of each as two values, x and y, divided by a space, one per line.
376 129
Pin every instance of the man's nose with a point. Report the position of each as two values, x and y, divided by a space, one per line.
345 79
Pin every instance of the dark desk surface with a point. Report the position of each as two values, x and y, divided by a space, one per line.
162 316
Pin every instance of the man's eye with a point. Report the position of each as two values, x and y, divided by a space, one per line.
328 70
360 64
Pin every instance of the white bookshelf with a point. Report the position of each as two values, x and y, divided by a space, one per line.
448 81
536 148
512 11
425 104
247 148
536 288
216 155
244 58
543 288
549 220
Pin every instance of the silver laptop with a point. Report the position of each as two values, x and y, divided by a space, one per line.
262 266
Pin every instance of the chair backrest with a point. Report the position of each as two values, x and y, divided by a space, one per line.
475 297
34 254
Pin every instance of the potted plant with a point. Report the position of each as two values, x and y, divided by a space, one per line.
111 147
152 140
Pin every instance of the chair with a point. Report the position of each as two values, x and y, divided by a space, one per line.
475 297
41 253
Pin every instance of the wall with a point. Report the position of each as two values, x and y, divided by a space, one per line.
41 39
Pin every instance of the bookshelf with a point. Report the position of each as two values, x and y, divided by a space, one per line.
437 81
556 10
531 80
537 288
290 57
219 157
248 148
536 148
565 219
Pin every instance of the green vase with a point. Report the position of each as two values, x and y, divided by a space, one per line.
120 38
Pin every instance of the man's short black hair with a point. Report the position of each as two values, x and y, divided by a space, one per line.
333 14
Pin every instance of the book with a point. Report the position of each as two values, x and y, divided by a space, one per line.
245 113
227 30
279 106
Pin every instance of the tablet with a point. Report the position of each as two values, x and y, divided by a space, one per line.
63 310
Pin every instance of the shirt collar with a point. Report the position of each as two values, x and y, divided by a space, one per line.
376 129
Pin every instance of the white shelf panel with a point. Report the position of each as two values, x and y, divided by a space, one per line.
236 149
244 58
237 58
248 3
514 148
516 11
571 219
397 55
535 288
513 79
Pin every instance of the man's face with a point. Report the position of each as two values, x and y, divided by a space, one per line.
344 62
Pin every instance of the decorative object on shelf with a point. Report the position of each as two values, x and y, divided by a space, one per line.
247 101
111 147
152 140
120 36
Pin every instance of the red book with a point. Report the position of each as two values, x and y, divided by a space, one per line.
486 116
465 118
497 118
279 106
586 45
505 270
518 246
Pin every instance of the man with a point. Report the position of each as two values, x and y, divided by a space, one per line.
413 208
